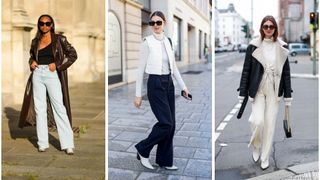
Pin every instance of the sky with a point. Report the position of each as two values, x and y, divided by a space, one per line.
261 8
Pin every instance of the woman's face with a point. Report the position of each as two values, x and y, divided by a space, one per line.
268 29
45 24
157 24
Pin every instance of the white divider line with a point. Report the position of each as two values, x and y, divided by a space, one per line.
228 117
225 121
216 135
238 106
221 126
234 110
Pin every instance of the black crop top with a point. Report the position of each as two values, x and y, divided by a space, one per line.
45 55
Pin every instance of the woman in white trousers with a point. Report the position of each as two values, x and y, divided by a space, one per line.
265 79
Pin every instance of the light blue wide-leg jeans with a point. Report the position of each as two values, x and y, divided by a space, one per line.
43 81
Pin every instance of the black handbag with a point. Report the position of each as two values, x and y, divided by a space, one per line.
286 123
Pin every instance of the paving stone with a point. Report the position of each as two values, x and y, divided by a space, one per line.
180 140
176 177
199 142
190 127
183 152
121 174
131 136
118 145
127 128
206 134
153 176
191 120
205 127
130 122
189 133
181 163
199 168
203 154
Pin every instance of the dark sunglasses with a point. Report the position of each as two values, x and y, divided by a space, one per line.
266 27
152 23
45 23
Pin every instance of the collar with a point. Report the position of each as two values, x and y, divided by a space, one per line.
281 52
159 37
257 42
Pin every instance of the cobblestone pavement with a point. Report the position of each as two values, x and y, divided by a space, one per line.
192 140
21 160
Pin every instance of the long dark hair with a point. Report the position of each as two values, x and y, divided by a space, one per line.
39 32
275 34
158 13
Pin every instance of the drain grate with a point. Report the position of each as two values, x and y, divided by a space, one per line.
192 72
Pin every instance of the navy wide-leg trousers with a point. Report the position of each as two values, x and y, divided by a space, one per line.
162 102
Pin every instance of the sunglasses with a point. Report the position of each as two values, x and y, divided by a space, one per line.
45 23
266 27
152 23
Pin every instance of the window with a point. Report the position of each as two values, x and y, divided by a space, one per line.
145 3
176 38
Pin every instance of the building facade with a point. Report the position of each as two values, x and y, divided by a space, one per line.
294 21
81 21
229 27
128 24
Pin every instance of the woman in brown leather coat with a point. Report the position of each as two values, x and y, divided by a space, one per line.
46 100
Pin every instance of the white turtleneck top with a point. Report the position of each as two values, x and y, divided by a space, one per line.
269 52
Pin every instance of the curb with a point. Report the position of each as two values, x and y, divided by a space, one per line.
307 76
289 172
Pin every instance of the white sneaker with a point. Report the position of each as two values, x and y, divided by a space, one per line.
144 161
69 151
264 164
256 154
172 168
40 149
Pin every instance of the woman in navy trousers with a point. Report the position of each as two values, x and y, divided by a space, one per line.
157 59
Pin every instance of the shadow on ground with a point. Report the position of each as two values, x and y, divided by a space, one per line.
12 116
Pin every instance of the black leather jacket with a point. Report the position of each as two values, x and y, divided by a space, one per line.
252 75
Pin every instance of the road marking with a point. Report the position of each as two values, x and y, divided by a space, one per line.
216 135
234 110
223 144
221 126
238 106
227 119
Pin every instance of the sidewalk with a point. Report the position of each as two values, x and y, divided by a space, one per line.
192 140
21 160
303 69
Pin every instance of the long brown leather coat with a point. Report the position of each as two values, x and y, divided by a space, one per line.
64 55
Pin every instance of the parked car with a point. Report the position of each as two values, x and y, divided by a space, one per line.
243 48
230 47
220 49
298 48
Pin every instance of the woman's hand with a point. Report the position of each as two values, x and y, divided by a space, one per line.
33 65
137 102
187 92
52 67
